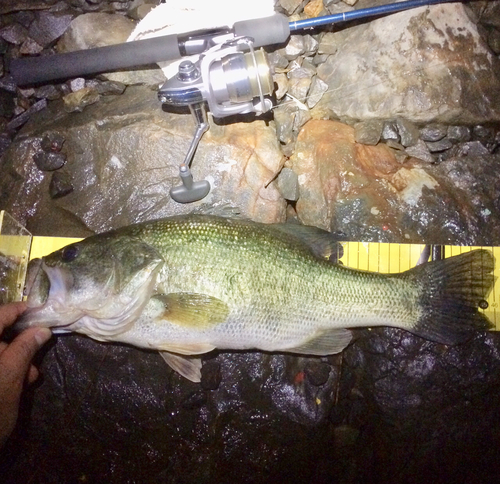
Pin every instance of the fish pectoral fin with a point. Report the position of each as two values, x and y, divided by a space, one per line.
195 311
188 367
324 342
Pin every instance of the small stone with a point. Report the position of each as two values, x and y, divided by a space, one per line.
419 150
317 372
18 121
210 375
483 134
77 84
24 17
458 134
277 59
313 8
48 26
49 161
52 142
439 146
288 184
295 47
319 59
408 132
310 45
76 101
298 87
14 34
316 91
49 92
60 185
390 131
284 117
290 6
470 148
30 47
433 132
368 132
281 81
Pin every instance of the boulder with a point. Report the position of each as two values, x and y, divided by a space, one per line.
427 64
123 155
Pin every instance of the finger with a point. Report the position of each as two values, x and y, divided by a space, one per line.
16 358
9 313
33 374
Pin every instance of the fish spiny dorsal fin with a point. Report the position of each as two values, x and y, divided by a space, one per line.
321 242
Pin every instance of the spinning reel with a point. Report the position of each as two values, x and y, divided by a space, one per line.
232 78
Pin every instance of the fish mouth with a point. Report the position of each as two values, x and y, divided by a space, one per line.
46 289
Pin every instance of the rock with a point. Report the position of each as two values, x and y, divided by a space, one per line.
30 47
427 64
18 121
288 184
317 372
294 47
329 43
210 375
390 131
494 40
470 148
439 146
433 132
368 132
95 30
313 8
49 161
458 134
14 33
483 134
123 155
52 142
341 181
316 91
290 6
421 151
408 132
100 29
48 91
76 101
48 27
76 84
60 185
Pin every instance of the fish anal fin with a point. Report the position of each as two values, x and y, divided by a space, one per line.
188 367
185 348
195 311
324 342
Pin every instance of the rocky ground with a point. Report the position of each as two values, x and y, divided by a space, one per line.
384 130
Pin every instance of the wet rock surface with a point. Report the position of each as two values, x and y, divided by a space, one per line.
407 151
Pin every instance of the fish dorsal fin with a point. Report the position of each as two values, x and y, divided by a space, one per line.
324 342
321 242
196 311
188 367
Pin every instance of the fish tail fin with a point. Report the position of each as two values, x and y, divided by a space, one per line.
453 288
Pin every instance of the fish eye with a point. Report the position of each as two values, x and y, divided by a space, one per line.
69 253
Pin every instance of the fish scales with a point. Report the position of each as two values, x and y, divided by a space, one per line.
186 285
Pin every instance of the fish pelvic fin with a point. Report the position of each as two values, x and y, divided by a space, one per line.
452 290
186 366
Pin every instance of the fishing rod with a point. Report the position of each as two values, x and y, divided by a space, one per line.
232 74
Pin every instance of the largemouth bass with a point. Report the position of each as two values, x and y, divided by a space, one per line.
187 285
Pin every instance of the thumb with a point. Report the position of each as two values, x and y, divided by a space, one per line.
16 358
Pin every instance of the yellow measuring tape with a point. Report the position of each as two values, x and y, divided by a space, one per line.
369 256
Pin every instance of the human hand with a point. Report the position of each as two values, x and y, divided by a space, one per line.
15 365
